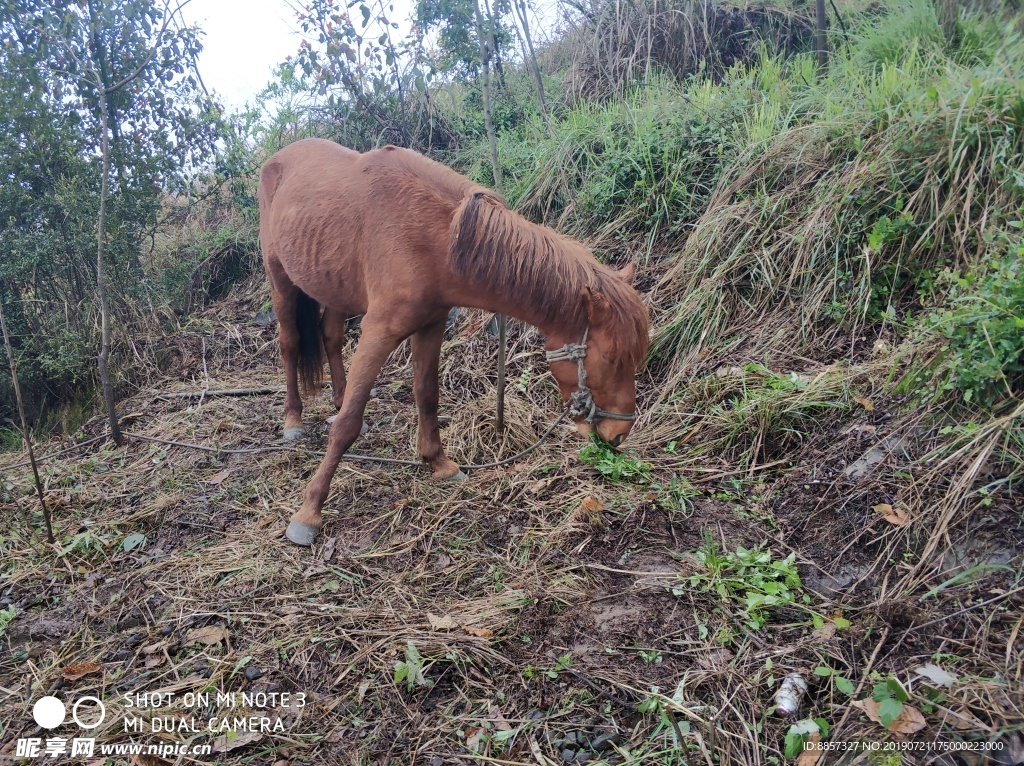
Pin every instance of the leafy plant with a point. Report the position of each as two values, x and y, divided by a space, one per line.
985 329
411 669
842 683
890 696
6 617
650 656
799 732
85 544
612 464
750 578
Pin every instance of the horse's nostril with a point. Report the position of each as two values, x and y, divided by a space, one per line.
617 440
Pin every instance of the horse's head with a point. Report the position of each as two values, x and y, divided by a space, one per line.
601 394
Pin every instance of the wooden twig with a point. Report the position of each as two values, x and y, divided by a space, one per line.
24 429
58 453
222 392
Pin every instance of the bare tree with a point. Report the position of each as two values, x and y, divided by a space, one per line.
486 48
821 34
526 41
24 427
96 71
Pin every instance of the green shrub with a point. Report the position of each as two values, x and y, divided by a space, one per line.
984 325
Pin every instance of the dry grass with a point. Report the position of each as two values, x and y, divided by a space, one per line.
520 576
615 45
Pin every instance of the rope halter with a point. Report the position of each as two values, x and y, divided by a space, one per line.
581 402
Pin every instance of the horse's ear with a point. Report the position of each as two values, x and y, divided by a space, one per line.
628 272
598 308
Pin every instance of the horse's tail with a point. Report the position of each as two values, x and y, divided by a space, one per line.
311 349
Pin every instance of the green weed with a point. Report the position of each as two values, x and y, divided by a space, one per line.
749 579
411 669
612 464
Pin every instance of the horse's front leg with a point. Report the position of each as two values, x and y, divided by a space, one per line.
426 352
377 342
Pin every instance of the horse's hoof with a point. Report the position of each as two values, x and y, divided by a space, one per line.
293 433
301 534
457 477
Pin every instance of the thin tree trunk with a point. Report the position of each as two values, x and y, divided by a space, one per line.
101 280
24 429
821 35
496 171
520 6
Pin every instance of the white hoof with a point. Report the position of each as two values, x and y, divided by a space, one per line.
301 534
293 433
457 477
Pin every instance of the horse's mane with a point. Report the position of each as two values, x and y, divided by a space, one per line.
497 248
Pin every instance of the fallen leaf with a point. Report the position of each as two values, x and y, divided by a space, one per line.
539 486
716 658
441 623
363 687
153 660
825 632
315 568
473 737
74 672
590 511
478 632
154 648
443 561
210 635
494 712
908 721
861 429
225 743
964 721
132 542
811 754
897 515
936 675
865 403
329 548
218 477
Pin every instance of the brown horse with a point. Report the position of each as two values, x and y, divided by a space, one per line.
400 239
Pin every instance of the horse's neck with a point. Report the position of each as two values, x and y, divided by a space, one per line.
471 296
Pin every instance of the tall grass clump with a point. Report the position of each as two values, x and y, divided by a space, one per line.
629 174
901 165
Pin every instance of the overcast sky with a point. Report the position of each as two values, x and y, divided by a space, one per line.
246 39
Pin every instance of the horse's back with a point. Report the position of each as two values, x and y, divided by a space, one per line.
345 225
291 169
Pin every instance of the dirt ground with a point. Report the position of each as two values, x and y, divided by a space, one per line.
535 614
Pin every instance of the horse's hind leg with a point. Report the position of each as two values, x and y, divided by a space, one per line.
284 295
333 327
426 352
